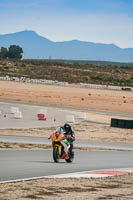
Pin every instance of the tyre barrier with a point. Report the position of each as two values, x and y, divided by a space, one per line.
82 115
70 119
121 123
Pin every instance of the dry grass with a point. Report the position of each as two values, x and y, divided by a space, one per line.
71 96
23 146
6 145
118 187
84 131
72 72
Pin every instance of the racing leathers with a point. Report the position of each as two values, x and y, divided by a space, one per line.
69 138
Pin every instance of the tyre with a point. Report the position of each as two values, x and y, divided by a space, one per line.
56 154
71 157
129 124
114 122
121 123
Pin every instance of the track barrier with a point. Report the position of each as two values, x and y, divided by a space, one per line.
122 123
70 118
14 110
82 115
18 115
41 116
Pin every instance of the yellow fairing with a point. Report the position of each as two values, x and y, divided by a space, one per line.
54 140
59 147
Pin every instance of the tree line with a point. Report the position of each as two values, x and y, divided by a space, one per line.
13 52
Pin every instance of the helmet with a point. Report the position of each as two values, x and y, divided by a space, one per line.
67 128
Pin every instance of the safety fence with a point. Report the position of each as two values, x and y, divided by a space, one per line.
51 82
111 87
28 80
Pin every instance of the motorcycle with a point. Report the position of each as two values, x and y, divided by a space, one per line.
58 150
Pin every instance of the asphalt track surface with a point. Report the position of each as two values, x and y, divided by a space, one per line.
29 113
24 164
77 143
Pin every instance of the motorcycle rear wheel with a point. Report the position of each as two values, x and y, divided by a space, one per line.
69 160
71 157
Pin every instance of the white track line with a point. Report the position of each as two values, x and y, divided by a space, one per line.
83 174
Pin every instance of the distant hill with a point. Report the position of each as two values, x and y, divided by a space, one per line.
38 47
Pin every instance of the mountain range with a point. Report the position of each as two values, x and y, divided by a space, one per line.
38 47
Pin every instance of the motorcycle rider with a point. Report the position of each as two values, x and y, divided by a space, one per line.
67 142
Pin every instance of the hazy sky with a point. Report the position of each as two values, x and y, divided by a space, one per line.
103 21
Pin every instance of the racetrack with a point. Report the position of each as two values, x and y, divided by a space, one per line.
30 164
78 143
24 164
29 113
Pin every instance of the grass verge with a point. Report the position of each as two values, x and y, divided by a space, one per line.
6 145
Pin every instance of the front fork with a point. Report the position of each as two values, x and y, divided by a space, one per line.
59 148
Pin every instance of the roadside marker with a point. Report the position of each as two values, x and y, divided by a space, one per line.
41 116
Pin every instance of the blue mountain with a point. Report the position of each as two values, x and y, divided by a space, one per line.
38 47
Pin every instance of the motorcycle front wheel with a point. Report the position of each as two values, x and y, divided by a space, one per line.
56 154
